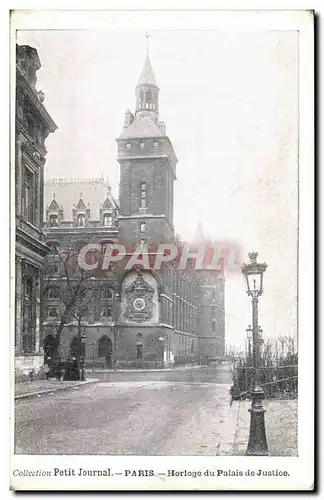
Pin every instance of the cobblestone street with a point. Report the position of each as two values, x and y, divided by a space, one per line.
152 417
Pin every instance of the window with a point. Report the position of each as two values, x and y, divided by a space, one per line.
29 195
155 144
53 293
142 242
52 312
214 325
29 319
53 221
142 227
142 145
28 288
80 220
106 293
106 312
143 195
107 220
128 145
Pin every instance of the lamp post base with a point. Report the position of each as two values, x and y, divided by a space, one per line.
257 444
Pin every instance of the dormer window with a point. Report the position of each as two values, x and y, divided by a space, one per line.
53 221
107 220
80 220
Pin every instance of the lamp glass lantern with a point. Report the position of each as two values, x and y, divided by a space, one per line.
253 275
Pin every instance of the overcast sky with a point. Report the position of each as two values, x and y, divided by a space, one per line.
229 101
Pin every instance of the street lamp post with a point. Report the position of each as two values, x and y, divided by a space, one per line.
83 341
249 332
253 274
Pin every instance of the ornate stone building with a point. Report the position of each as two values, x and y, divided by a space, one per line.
135 316
32 126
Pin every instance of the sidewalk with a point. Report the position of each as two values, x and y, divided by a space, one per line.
38 387
281 421
143 370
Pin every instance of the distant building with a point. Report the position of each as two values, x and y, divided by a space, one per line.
33 124
136 317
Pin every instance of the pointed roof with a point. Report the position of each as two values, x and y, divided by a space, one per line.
53 205
147 75
199 236
81 205
107 203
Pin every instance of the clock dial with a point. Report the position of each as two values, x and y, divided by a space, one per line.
139 304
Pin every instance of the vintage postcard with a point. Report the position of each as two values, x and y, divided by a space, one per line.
162 171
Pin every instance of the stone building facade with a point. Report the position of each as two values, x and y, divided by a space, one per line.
32 126
135 316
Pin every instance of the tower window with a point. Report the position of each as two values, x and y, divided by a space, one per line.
142 227
52 312
143 195
107 220
53 221
106 293
80 220
128 145
106 312
142 145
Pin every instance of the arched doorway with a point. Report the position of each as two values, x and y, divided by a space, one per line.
139 347
75 347
49 346
105 350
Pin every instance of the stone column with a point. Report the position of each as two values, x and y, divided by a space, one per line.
18 305
37 311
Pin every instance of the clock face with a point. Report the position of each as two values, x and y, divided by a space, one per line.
139 304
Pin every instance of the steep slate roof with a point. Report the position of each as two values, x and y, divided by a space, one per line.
142 127
67 192
147 75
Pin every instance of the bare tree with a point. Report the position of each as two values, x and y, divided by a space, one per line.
74 289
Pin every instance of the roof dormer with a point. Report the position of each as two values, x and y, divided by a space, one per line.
54 213
81 213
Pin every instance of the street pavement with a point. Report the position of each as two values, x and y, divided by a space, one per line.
187 414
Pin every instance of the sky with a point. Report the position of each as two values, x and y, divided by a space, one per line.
230 104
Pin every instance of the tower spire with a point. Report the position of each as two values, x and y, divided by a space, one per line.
147 36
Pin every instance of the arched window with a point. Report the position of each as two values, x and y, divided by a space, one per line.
80 220
107 220
53 292
105 349
53 221
106 293
106 312
139 346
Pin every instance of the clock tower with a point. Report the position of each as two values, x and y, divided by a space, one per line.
147 169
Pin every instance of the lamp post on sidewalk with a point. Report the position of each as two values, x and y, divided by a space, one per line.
253 274
249 332
83 341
